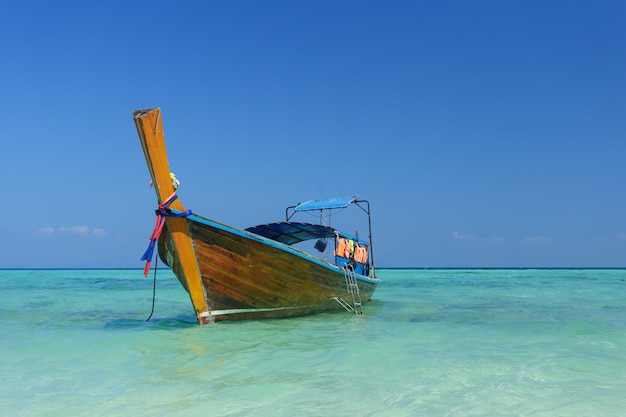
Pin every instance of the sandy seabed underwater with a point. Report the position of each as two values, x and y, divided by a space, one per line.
472 342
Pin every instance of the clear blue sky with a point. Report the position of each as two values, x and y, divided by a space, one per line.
484 133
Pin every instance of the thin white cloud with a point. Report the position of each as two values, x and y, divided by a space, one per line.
459 236
539 239
98 232
610 240
77 230
471 238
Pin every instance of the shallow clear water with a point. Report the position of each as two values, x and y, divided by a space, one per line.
433 343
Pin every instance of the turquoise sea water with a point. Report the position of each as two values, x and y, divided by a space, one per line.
433 343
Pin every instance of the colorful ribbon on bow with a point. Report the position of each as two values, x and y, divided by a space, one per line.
162 212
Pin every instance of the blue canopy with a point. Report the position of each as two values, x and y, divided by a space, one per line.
293 232
329 203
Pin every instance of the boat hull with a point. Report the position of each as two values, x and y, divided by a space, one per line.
247 276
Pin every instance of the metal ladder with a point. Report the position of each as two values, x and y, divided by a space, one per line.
353 289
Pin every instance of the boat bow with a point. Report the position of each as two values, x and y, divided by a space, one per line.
149 125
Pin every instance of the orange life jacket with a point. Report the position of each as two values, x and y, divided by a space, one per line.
342 245
360 254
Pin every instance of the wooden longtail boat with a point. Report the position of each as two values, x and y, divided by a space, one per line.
239 274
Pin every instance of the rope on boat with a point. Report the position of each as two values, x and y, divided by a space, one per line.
162 212
156 261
